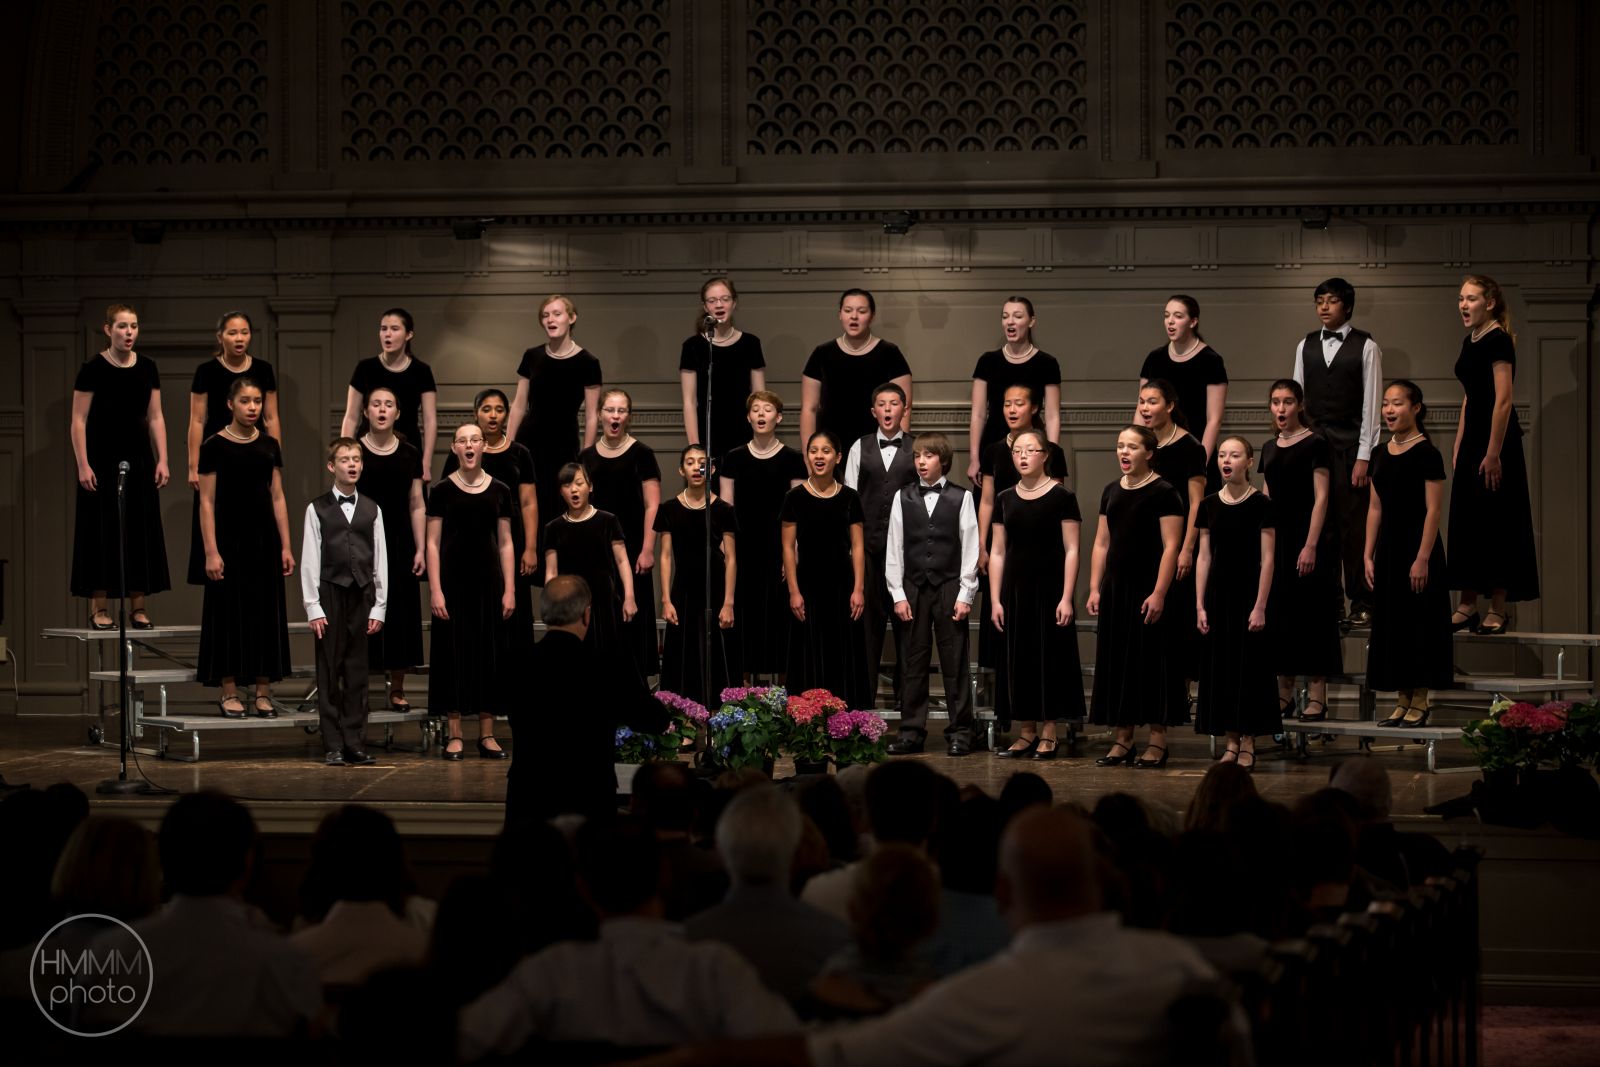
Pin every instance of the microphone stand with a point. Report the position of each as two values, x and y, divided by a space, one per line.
709 325
120 784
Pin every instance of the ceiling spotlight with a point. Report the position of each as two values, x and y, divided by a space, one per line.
470 229
1316 218
899 223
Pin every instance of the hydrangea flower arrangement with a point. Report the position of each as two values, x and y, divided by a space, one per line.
806 735
857 736
688 719
1525 736
746 731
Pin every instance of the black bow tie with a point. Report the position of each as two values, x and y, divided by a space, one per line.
929 488
1332 335
341 499
896 443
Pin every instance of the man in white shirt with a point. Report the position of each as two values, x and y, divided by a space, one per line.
902 800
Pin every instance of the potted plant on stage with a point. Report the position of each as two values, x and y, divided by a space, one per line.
1536 761
857 737
689 718
747 730
806 735
633 747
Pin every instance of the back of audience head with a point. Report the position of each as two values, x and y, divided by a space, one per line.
619 866
757 836
1024 790
824 802
1048 868
894 902
356 855
108 867
1224 785
1323 849
969 851
1368 783
902 802
207 844
665 797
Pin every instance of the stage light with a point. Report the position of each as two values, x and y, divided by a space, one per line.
899 222
470 229
1316 218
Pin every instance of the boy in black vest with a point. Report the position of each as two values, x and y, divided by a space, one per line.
1341 369
877 468
931 573
342 566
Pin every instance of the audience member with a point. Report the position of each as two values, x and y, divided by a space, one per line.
902 800
1224 785
108 867
824 801
1023 790
811 858
971 928
786 941
1401 859
1138 866
894 908
1213 905
1322 857
666 797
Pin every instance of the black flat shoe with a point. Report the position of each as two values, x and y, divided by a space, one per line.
1360 618
1287 709
1469 622
110 623
486 752
398 702
268 712
1397 717
1409 721
1112 758
141 624
333 759
358 758
959 746
1018 753
1251 766
445 753
905 746
229 713
1321 716
1055 748
1152 763
1489 631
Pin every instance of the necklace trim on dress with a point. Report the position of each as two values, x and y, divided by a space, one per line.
397 366
1146 480
819 494
683 499
255 431
1173 436
463 483
866 345
1478 335
615 450
553 354
376 450
588 513
1045 484
1181 356
769 453
1395 439
1026 355
1223 495
1301 432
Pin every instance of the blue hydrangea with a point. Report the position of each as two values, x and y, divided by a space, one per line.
623 733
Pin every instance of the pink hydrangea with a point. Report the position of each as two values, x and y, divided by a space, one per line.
807 706
1517 716
735 693
1559 708
691 710
867 724
870 724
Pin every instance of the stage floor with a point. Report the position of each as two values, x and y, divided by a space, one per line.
277 767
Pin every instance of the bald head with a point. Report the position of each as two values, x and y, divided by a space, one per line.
1047 868
565 604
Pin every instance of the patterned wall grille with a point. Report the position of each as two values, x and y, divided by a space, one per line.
180 83
504 79
1341 74
896 76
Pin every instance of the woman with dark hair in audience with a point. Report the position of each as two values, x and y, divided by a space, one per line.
739 370
471 577
108 867
1410 651
1197 374
411 381
824 563
1181 461
116 419
588 542
1017 362
1491 519
894 908
208 410
685 523
390 468
1303 610
244 526
840 378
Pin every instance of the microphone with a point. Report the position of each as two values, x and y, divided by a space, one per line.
709 324
122 474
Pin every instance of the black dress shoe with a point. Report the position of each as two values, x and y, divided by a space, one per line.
1360 617
491 753
1018 753
333 759
905 746
229 713
1114 758
444 749
1047 753
358 758
268 712
959 746
1146 763
1468 622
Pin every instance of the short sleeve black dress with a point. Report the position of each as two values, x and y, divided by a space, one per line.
513 465
682 648
212 380
117 430
1191 378
585 549
1302 612
999 374
387 478
730 377
760 596
1177 463
549 427
828 649
409 384
470 671
1137 675
996 467
244 626
1238 692
1411 645
1491 530
1038 675
847 384
619 488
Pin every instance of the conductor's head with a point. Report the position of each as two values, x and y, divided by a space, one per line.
566 604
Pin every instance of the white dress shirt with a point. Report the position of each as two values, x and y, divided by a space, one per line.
311 561
886 453
894 568
1371 382
357 939
1117 983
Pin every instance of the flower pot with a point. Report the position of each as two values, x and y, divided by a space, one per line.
625 773
811 766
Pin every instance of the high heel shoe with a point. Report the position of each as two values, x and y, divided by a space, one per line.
1152 763
491 753
1032 746
1469 622
1113 758
1039 753
445 753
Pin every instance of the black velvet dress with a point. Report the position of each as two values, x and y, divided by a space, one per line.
388 479
996 466
213 380
1038 675
117 430
1238 690
828 649
685 643
469 667
408 385
1191 378
760 596
1177 463
514 466
549 427
730 378
998 374
619 488
586 549
1302 612
1411 645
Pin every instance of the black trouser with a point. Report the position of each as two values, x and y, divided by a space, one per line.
1347 510
877 612
342 667
931 609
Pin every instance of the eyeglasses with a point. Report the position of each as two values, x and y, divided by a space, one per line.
1026 451
719 299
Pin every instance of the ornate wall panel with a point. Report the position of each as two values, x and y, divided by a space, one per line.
180 83
856 79
504 79
1345 74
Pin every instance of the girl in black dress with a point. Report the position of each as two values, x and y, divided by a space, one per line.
740 370
761 473
1034 563
244 526
1197 374
588 542
1017 362
1303 611
1136 677
470 576
825 563
208 411
837 385
397 368
553 380
1491 519
116 418
389 474
1233 579
1180 460
681 522
1410 651
627 483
